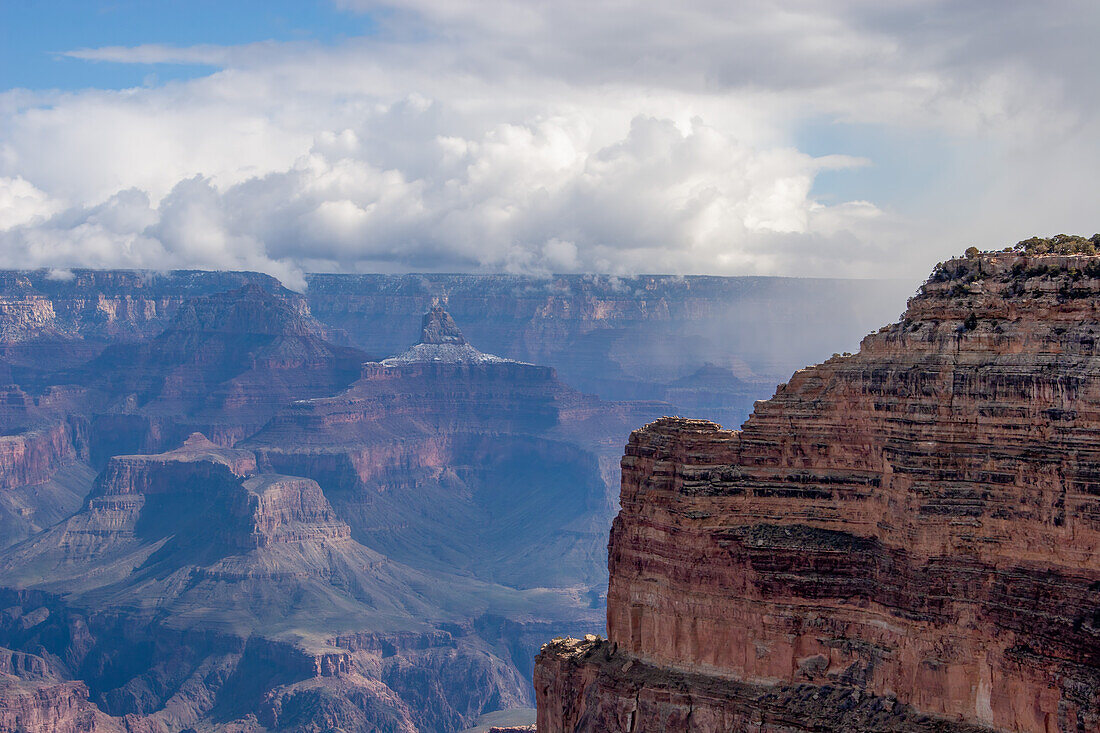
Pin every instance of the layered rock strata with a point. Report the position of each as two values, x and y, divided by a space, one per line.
192 589
224 366
621 338
448 458
52 320
601 688
44 474
105 305
919 523
45 704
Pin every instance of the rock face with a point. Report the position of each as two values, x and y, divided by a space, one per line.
918 524
223 367
592 685
193 590
450 459
624 338
34 698
106 305
51 320
44 474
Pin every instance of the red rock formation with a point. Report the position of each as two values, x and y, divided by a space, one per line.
244 594
919 522
43 451
34 698
225 365
38 434
446 457
34 456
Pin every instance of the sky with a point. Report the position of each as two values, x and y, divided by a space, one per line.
800 137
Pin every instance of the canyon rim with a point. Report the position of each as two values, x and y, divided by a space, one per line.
903 539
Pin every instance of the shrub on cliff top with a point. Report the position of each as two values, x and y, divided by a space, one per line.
1060 244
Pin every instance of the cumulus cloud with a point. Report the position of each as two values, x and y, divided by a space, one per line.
22 203
512 136
519 198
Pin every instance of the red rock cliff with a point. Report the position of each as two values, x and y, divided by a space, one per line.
919 521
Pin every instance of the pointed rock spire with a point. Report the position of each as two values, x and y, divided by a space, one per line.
439 328
441 341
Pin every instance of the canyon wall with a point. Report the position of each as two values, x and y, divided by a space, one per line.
44 474
445 457
918 524
105 305
710 344
193 591
648 337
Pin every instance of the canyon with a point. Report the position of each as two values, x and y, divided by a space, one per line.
227 506
902 539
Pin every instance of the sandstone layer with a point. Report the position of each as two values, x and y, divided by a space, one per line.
193 590
224 366
444 457
44 474
919 522
625 338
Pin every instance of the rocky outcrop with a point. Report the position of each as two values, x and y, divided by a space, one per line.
623 338
592 685
193 589
916 523
39 434
446 458
34 698
224 366
43 452
34 456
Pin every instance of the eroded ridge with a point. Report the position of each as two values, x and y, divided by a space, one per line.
919 521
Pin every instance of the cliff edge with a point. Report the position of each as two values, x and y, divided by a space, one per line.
907 538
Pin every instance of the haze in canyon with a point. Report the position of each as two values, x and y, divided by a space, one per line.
448 367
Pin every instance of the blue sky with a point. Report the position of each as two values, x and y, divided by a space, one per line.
792 137
34 33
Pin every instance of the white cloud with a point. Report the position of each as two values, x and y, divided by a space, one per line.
566 136
21 203
518 198
152 53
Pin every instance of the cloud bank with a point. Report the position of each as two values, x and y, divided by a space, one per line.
532 137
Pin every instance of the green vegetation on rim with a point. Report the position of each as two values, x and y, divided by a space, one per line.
1059 244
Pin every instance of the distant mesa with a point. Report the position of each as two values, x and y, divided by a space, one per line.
442 341
249 309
